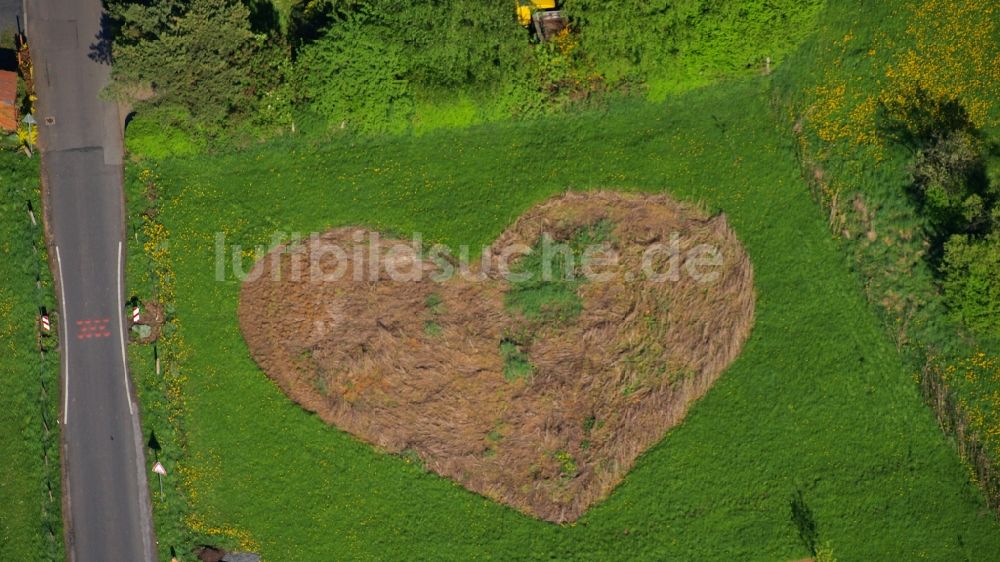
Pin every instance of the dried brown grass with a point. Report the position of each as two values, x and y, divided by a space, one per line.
638 355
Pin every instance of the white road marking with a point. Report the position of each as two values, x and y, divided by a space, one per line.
121 330
64 315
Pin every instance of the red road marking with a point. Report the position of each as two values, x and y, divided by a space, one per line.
93 328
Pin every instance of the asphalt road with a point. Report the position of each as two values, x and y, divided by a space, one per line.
9 11
105 496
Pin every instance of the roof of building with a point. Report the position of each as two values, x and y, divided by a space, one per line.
8 100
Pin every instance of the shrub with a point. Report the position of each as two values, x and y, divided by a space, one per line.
635 42
354 76
452 42
972 282
949 178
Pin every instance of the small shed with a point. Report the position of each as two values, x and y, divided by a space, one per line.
8 100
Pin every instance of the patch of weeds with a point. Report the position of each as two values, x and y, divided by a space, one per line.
553 273
646 366
589 425
567 464
630 388
319 383
516 364
434 303
410 456
493 438
684 374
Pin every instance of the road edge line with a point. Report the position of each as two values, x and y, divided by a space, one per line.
121 330
64 316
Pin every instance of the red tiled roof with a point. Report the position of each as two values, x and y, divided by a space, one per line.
8 100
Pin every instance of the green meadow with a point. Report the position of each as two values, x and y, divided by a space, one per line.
820 406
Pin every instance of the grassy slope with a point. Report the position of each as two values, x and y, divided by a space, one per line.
819 400
22 531
861 52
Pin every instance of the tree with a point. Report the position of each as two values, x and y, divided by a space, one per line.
949 175
195 54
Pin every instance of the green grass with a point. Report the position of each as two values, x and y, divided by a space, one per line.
516 363
30 524
551 275
819 401
432 328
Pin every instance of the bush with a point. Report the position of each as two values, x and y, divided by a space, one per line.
354 76
972 283
949 178
453 42
636 42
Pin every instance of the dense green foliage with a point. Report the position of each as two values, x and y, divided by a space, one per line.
950 183
972 282
30 524
675 40
199 55
817 410
378 65
957 198
353 75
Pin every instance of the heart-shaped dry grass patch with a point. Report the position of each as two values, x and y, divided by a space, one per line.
538 392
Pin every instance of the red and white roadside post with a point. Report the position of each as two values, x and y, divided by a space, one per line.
135 314
46 325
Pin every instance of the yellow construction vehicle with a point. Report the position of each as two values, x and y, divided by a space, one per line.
541 15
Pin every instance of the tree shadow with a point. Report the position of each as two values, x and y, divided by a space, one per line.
805 522
128 119
100 50
919 120
8 60
307 22
263 17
